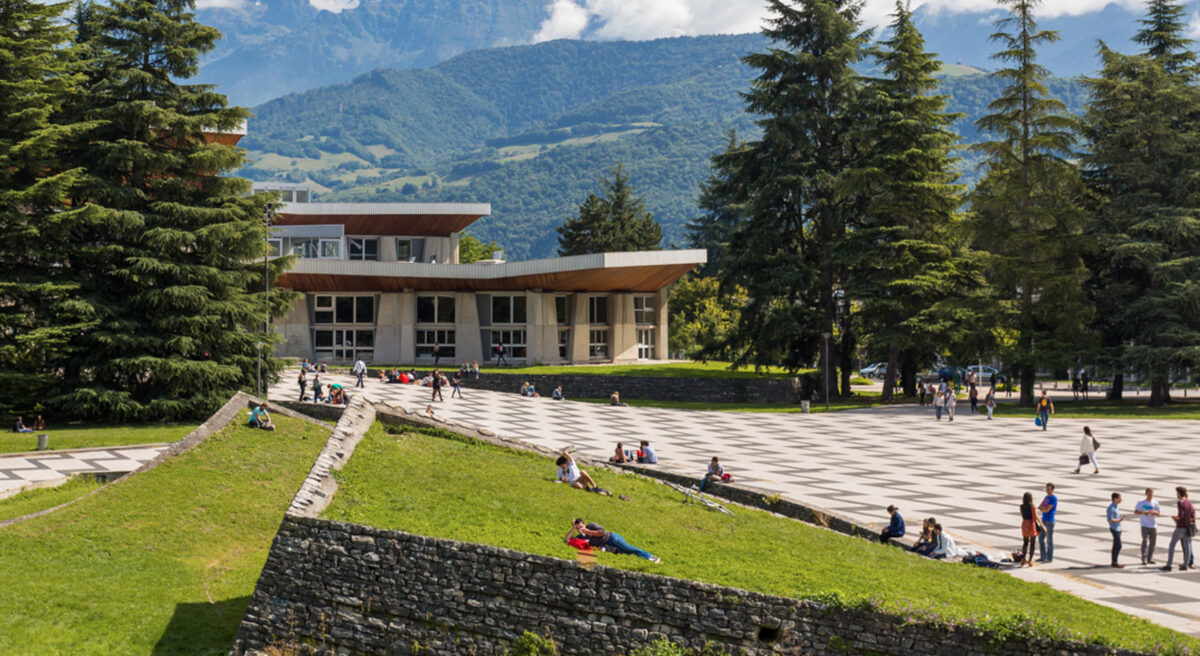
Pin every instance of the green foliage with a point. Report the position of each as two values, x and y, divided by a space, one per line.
616 222
165 250
702 317
533 644
471 249
1028 221
446 488
1143 127
664 647
186 541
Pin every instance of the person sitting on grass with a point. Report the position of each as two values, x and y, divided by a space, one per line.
620 455
927 542
260 418
599 538
895 528
571 474
20 427
944 546
39 423
716 473
646 454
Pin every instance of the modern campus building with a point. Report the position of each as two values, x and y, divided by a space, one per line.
383 282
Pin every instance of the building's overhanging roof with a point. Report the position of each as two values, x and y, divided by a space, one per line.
404 219
643 271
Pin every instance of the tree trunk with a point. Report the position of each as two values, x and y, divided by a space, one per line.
893 362
1027 380
908 370
1118 387
846 361
1160 391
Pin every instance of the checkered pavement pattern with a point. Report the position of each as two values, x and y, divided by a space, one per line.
21 471
970 473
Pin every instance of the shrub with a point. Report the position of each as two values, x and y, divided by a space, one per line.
533 644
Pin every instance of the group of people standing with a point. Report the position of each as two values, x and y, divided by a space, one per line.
1148 511
945 399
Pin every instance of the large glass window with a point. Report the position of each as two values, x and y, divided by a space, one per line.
598 309
564 343
331 249
344 309
645 346
513 342
443 338
435 309
560 311
598 343
508 309
643 310
404 250
304 248
363 248
344 345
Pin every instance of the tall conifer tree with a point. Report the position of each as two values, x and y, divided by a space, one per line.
1027 208
906 250
39 313
789 184
1143 127
617 222
168 252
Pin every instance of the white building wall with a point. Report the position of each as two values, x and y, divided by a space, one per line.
466 328
406 322
387 328
623 331
297 336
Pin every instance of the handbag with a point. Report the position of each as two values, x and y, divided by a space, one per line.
1190 529
1095 444
1083 459
1037 421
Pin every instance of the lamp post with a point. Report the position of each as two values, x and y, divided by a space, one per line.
825 337
261 389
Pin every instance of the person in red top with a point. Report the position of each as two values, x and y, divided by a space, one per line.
1185 527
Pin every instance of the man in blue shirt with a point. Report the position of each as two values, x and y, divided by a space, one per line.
1114 526
1046 540
895 528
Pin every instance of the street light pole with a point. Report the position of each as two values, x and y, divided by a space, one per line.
825 337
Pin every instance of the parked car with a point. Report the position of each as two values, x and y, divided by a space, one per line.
983 374
869 370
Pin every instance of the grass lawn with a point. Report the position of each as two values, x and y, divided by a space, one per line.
38 499
1123 410
451 488
161 564
81 436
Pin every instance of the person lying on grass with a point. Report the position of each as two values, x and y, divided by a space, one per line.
569 473
599 538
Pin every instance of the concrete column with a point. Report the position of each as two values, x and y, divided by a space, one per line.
406 321
662 344
387 328
453 252
622 335
296 332
579 329
466 328
543 323
534 335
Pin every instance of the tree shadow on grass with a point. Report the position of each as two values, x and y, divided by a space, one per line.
202 628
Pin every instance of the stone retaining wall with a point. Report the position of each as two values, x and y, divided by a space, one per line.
335 588
706 390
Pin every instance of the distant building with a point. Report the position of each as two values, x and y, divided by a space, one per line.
382 282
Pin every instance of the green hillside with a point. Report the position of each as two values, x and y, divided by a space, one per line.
530 129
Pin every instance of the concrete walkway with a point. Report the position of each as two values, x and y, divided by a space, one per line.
21 471
970 474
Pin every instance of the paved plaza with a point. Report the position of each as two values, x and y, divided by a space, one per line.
970 474
51 467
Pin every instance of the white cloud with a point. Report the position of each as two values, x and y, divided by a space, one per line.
649 19
221 4
335 6
567 21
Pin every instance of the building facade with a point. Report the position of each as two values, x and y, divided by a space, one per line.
382 282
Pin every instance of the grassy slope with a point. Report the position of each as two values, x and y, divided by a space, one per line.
38 499
161 564
82 437
453 489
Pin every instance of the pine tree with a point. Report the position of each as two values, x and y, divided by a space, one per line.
1143 125
906 250
615 223
713 229
1027 209
39 313
789 186
168 251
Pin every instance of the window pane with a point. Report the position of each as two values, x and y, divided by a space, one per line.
323 339
331 248
364 338
403 250
371 249
426 310
501 309
364 309
598 310
518 309
345 309
301 196
560 309
325 301
354 246
285 195
445 309
274 247
323 316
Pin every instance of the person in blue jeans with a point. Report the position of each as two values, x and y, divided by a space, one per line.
1048 508
1045 408
599 538
895 528
1114 525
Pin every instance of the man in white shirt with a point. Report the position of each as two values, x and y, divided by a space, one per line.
945 544
360 369
1147 509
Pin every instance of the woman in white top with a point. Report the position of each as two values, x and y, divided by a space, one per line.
951 401
939 402
1087 448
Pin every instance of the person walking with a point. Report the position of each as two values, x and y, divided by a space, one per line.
1148 509
1048 508
989 401
939 402
1114 526
1045 408
1185 528
437 354
922 389
303 382
1083 383
951 403
436 384
1087 450
974 396
316 388
360 370
1029 530
457 383
498 350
